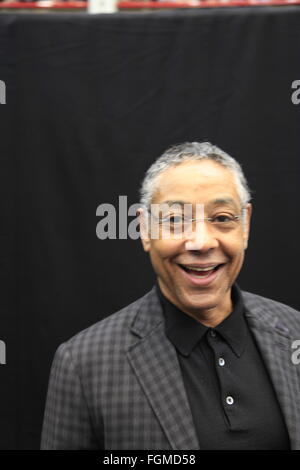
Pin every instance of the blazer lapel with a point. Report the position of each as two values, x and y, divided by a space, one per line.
274 342
155 363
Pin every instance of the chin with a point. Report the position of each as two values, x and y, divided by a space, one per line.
208 301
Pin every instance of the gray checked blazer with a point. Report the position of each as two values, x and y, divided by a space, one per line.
118 385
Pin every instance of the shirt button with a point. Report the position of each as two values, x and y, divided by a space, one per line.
229 400
212 333
221 361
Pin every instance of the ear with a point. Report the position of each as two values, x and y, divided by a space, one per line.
247 220
144 228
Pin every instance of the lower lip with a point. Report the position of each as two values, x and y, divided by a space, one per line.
204 281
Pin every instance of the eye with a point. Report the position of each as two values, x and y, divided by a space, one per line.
223 218
175 219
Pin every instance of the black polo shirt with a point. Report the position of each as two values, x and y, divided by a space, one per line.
231 396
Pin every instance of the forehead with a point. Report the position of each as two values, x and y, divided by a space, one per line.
196 181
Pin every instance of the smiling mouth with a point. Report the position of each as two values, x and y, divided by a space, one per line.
200 273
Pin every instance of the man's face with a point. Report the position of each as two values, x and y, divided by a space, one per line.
174 259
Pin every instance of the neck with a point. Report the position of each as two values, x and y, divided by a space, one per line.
213 316
210 317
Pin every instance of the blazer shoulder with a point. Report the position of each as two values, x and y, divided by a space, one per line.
271 309
109 336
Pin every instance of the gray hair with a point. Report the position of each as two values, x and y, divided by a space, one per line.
187 151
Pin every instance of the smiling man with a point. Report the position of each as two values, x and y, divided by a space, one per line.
196 272
197 363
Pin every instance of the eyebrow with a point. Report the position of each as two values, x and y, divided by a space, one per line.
181 203
215 202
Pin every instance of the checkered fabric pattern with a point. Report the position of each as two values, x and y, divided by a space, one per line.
118 385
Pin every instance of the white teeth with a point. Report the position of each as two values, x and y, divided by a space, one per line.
201 269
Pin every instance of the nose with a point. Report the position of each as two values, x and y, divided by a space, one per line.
201 238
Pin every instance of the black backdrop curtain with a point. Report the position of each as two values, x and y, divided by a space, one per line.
91 101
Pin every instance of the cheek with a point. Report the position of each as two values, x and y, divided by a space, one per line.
238 255
163 251
235 251
235 244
